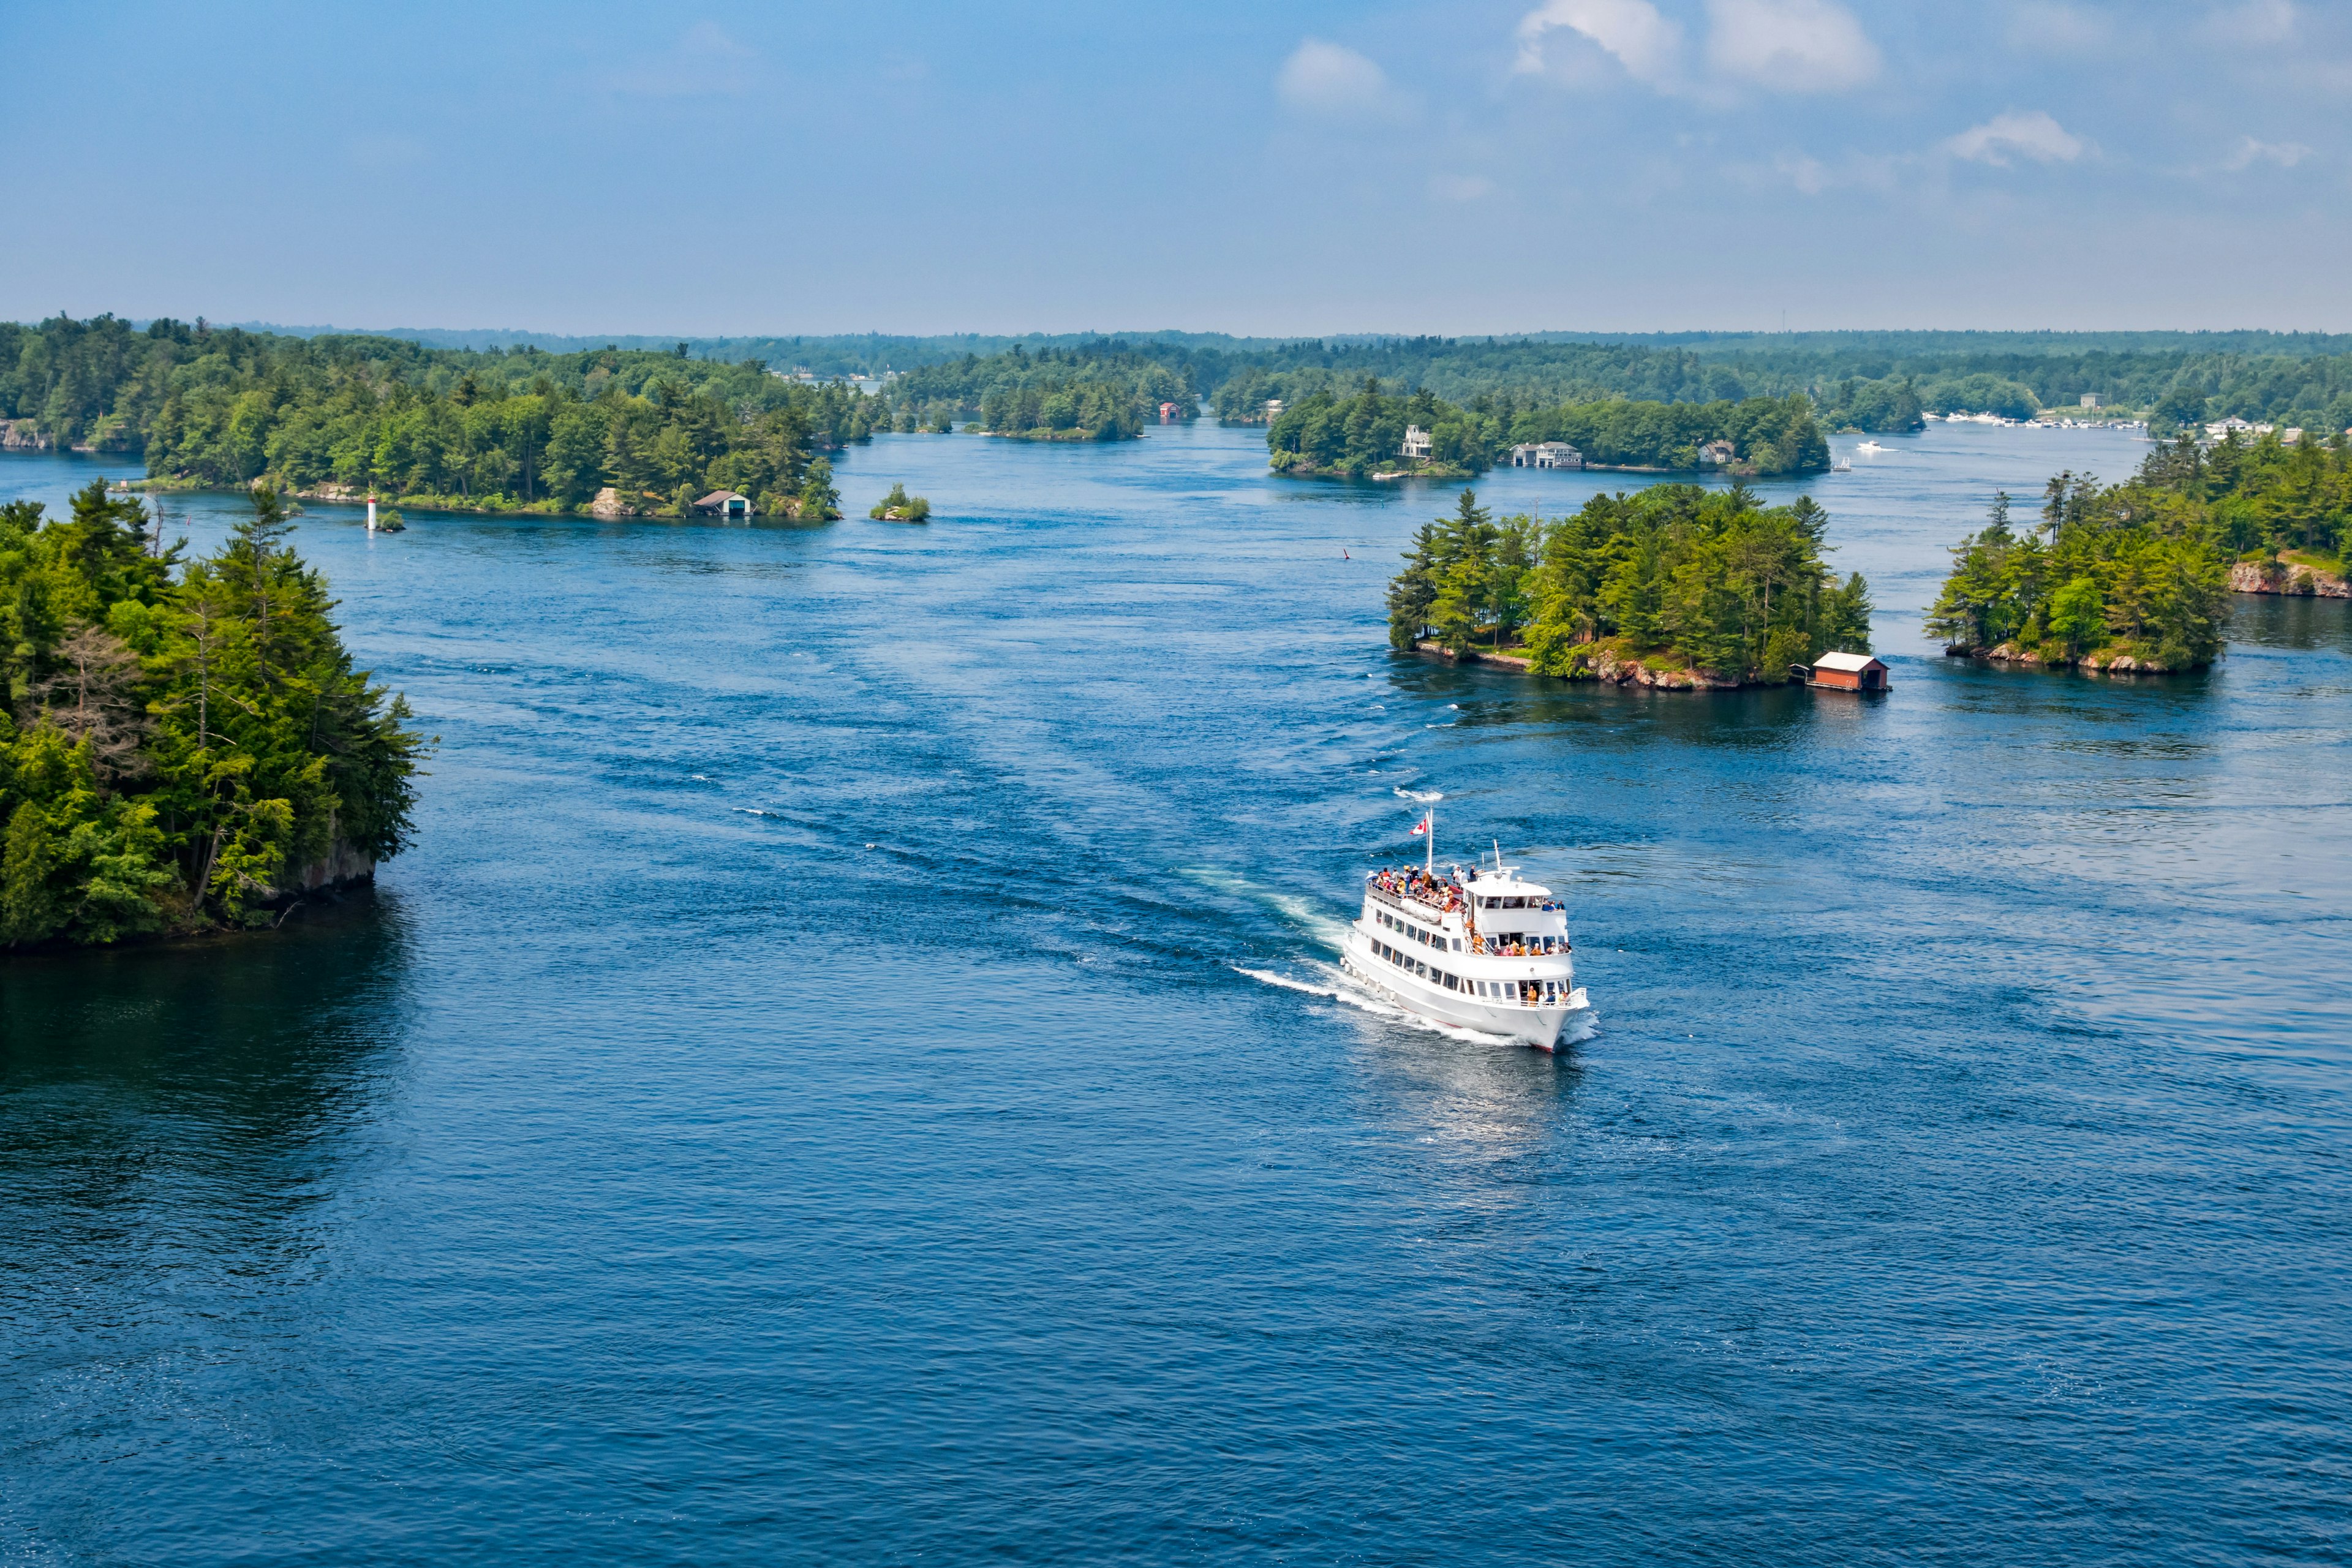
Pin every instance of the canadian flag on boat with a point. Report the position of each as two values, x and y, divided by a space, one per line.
1423 825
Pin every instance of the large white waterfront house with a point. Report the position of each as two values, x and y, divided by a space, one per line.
1545 455
1417 443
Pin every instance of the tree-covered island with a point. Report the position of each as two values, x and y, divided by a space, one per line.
901 507
634 433
183 746
1092 392
2132 577
1676 585
1363 435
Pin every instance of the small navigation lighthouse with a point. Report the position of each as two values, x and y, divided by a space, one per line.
371 514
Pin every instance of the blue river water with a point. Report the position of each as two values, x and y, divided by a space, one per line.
853 1069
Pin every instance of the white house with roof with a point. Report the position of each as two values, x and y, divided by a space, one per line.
2233 425
1718 454
1417 442
1545 455
724 503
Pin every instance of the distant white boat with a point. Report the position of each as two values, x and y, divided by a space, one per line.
1870 447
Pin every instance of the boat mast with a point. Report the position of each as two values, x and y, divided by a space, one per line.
1431 835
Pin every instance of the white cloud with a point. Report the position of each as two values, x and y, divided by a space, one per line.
1806 174
1647 45
2005 138
2285 154
1335 82
703 61
1790 45
2255 22
2058 29
1460 187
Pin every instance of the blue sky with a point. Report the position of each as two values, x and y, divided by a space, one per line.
1604 164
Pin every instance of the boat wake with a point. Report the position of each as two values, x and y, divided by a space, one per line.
1305 914
1425 796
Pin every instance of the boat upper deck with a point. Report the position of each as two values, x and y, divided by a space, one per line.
1475 915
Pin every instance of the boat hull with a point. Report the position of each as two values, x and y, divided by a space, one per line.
1537 1026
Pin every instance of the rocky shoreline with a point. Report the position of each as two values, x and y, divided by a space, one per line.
609 505
2286 577
2092 663
1607 668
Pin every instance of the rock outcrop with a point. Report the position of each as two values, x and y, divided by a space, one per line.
22 435
1602 664
1610 671
2095 663
341 867
2284 577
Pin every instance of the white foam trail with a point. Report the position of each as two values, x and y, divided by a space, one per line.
1304 914
1288 983
1426 796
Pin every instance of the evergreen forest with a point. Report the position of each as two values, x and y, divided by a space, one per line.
1863 381
1673 577
495 431
181 741
2139 570
1362 434
513 424
1103 391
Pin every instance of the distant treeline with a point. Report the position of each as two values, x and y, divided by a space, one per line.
1877 384
1100 391
1364 434
1819 355
222 406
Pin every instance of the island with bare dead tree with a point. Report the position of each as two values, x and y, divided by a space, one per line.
184 745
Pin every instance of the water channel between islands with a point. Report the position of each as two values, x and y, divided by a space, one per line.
650 1169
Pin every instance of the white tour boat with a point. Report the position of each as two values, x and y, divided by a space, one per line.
1479 949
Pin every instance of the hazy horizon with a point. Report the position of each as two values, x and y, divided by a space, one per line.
1459 168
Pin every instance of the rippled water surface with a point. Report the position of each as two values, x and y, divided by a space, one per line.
853 1070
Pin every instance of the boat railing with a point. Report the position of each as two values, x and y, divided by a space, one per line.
1420 909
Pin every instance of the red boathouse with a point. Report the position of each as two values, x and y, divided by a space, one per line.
1848 672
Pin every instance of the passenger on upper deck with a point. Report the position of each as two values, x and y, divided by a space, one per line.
1421 885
